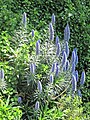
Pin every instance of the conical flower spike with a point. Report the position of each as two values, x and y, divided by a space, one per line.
24 19
67 33
53 18
82 78
74 83
39 86
37 47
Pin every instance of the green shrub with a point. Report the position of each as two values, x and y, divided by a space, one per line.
8 111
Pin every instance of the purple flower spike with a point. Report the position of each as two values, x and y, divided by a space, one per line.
53 18
76 61
75 50
51 30
64 68
53 67
64 59
67 65
39 86
58 49
57 71
73 67
51 79
57 40
73 56
76 75
74 83
32 33
24 19
2 74
67 33
79 93
82 78
37 105
37 48
32 68
67 49
19 100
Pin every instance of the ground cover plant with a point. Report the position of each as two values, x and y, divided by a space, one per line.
42 71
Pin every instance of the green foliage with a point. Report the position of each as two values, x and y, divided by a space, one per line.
72 108
8 111
15 52
51 114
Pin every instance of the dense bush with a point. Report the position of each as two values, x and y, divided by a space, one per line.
42 70
38 12
14 52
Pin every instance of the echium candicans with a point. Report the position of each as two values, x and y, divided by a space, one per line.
38 47
24 19
82 80
19 99
39 87
53 18
32 33
74 83
76 75
64 59
51 31
76 61
57 40
67 49
73 67
53 67
67 33
58 49
32 68
75 50
79 93
57 71
2 74
73 56
37 105
67 65
51 79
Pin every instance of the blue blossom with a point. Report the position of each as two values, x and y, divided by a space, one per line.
57 40
53 18
82 78
74 83
76 61
2 74
64 58
51 30
58 49
75 50
53 67
32 33
57 70
73 56
67 49
37 47
79 93
37 105
51 79
19 100
67 33
24 20
73 67
39 86
32 68
76 75
67 65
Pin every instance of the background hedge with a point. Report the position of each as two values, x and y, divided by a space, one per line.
39 13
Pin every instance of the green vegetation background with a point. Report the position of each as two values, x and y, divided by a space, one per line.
76 12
